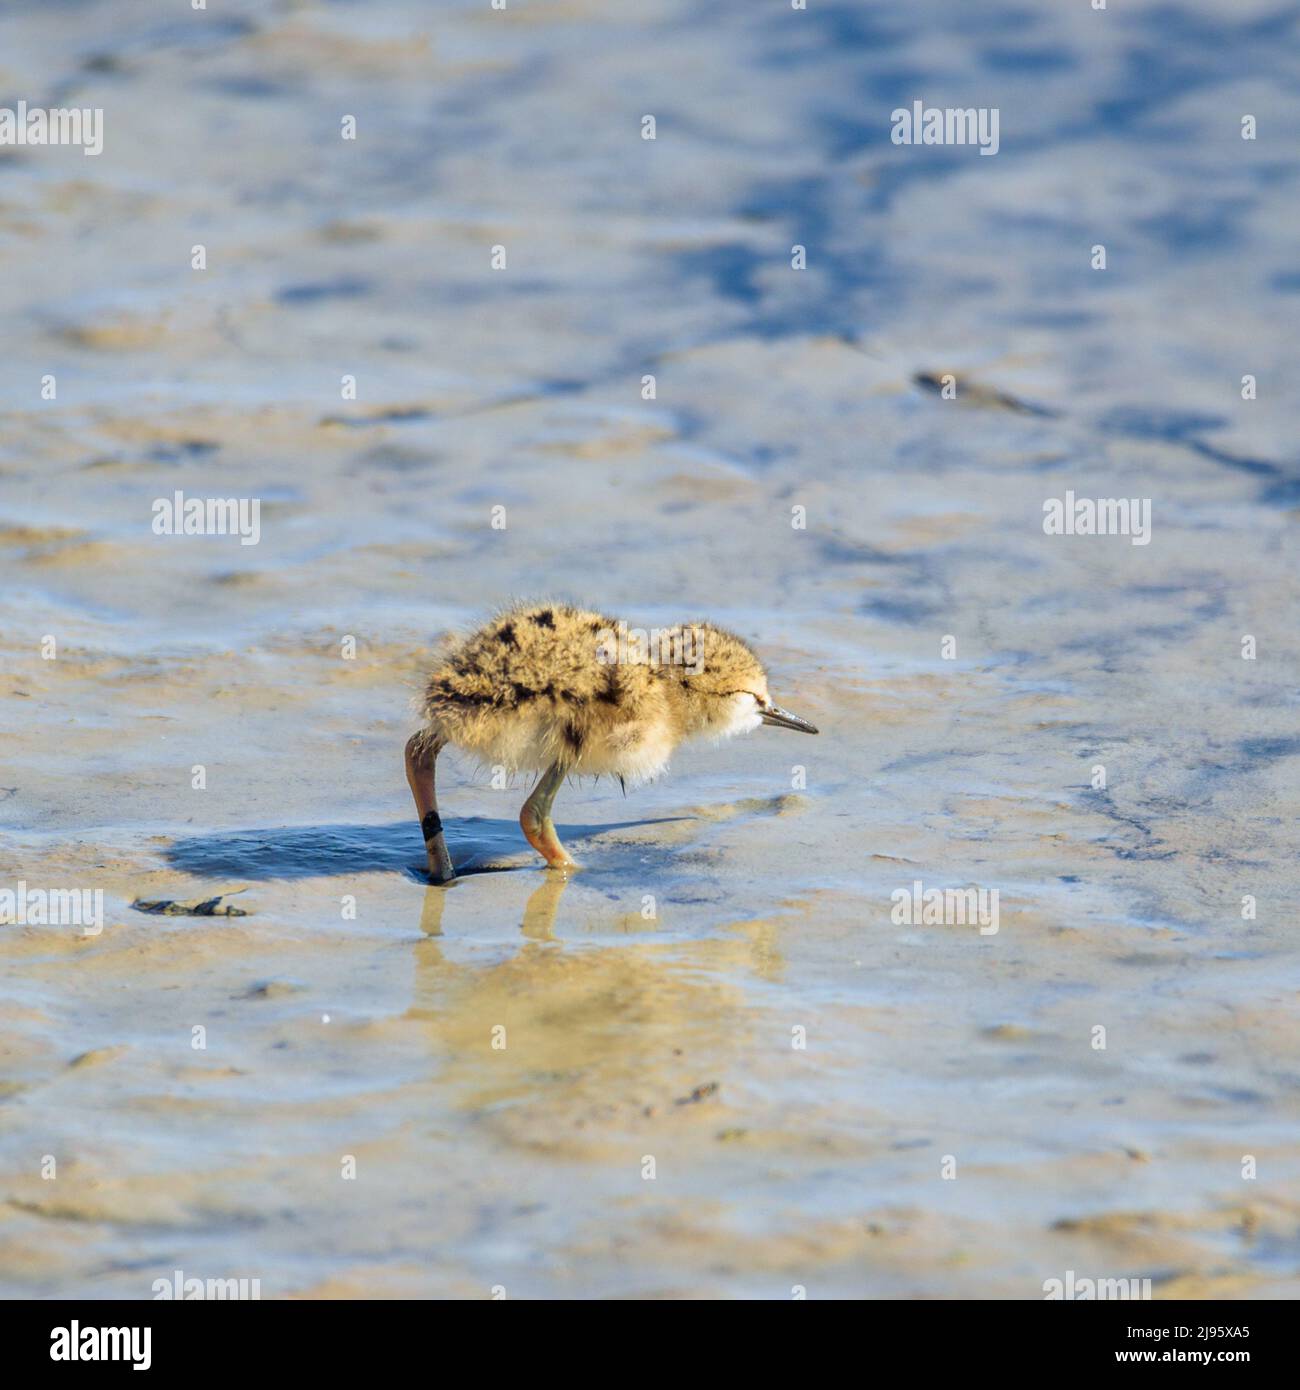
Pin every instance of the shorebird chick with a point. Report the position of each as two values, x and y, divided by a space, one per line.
561 691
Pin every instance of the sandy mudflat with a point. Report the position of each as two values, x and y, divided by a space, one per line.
329 1035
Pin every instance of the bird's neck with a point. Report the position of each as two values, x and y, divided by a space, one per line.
685 711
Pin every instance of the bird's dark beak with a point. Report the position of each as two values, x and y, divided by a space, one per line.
782 719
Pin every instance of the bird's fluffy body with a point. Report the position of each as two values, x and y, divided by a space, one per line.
545 684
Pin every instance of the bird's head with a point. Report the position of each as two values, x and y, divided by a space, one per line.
724 685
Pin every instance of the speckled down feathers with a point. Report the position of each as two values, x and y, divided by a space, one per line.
538 684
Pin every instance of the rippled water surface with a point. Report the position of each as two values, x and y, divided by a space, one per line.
723 988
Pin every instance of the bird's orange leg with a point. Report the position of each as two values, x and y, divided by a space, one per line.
421 753
536 823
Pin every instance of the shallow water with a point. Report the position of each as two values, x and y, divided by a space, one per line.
929 1047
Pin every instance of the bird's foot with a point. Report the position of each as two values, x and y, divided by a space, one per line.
440 872
539 831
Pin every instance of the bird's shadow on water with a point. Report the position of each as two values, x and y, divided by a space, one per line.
317 851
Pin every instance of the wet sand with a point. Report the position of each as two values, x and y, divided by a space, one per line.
352 1011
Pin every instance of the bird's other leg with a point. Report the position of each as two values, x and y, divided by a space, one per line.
536 823
421 752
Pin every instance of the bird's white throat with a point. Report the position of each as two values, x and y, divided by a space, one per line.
742 717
